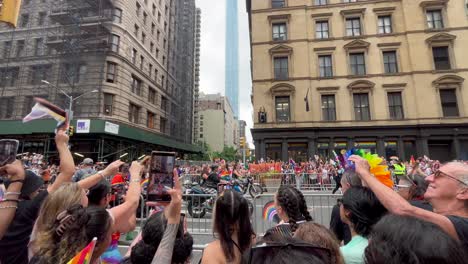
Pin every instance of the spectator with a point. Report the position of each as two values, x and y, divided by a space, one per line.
319 235
14 243
67 195
402 239
292 210
447 193
71 232
413 191
210 182
151 236
9 203
86 170
360 210
340 229
232 224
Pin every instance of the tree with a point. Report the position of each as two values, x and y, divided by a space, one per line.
205 155
228 154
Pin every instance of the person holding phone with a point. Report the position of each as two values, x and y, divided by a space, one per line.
14 243
9 204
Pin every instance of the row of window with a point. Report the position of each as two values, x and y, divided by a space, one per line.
357 63
38 48
69 73
354 26
25 19
362 111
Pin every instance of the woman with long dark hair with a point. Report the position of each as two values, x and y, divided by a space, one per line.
233 229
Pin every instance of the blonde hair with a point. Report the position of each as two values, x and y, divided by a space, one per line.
64 197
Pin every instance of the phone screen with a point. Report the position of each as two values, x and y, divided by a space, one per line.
161 176
8 151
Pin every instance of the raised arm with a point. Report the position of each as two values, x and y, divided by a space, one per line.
125 214
8 206
397 204
172 213
67 165
110 170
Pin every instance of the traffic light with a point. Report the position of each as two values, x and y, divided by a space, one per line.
71 130
242 142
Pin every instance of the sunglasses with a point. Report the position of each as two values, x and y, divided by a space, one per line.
439 174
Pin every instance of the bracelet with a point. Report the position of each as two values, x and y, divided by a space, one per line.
13 181
102 175
8 206
12 193
9 200
135 180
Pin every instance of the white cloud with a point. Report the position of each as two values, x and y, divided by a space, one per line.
212 54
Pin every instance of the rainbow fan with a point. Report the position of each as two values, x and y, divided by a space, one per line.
270 213
377 166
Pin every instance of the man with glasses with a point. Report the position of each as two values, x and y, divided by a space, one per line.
340 229
447 192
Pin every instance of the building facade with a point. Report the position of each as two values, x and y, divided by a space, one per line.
197 75
242 127
232 55
217 125
383 75
138 55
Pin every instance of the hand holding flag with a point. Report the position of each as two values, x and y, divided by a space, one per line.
84 256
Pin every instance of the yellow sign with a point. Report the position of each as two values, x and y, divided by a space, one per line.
9 11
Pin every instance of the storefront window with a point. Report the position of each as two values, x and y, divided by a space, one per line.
323 150
410 149
367 146
391 149
297 151
273 151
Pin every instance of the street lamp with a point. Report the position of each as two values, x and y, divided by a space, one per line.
71 99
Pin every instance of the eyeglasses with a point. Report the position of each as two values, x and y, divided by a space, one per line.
401 186
438 173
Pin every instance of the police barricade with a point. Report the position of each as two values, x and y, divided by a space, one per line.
198 210
320 207
270 182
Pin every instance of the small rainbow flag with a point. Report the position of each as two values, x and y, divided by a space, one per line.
84 256
144 183
44 108
270 213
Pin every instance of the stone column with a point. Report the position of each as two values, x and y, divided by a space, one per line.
422 148
331 147
258 146
381 146
262 150
401 149
311 148
456 150
284 150
350 143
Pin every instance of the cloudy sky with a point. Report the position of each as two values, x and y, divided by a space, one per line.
212 54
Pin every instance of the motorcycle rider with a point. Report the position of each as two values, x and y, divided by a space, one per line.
211 181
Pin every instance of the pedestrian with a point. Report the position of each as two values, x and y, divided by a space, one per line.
86 170
337 178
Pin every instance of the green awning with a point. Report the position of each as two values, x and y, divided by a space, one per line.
97 126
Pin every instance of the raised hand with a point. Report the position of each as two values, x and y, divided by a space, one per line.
61 138
113 168
362 165
15 170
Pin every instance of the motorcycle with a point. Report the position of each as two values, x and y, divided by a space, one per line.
199 202
248 185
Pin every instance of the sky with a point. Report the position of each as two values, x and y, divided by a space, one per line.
212 55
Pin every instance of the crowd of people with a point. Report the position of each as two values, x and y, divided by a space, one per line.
372 223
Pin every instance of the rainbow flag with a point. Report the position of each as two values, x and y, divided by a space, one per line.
144 183
84 256
44 108
269 212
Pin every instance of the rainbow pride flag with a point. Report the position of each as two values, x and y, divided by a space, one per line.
84 256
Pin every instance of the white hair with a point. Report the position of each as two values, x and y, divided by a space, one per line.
459 170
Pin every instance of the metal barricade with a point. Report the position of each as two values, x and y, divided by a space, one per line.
270 182
320 207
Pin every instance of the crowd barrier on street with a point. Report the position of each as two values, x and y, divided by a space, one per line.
320 207
270 182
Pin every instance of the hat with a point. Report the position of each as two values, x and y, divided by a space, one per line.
88 161
31 183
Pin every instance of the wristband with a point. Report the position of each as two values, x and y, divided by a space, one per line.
13 181
135 180
9 200
12 193
8 206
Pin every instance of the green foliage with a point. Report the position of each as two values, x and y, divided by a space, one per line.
204 155
228 154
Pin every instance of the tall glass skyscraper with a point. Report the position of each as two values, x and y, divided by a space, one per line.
232 56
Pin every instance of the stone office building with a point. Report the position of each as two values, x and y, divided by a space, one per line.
386 76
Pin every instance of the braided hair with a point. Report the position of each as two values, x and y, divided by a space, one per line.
293 202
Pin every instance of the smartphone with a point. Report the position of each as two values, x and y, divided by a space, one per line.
161 177
8 151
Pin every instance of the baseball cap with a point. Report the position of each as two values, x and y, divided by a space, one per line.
31 183
88 161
